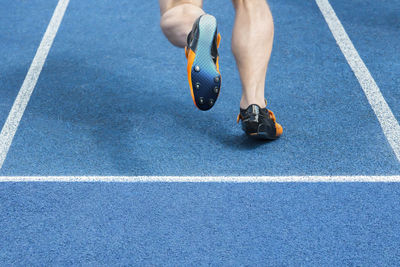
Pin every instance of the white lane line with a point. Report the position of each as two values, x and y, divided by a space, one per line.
14 117
389 124
200 179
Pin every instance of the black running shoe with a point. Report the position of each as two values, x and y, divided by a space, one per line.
202 66
259 123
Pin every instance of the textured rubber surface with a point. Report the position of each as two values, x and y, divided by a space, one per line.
107 103
206 80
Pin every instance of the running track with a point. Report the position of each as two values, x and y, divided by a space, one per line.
112 104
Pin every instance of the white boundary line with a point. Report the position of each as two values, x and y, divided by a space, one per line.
389 124
200 179
14 117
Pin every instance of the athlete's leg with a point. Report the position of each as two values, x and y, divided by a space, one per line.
252 40
177 18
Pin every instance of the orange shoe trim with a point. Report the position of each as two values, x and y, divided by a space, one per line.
191 56
279 129
218 43
217 65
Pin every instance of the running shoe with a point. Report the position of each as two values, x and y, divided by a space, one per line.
259 123
202 66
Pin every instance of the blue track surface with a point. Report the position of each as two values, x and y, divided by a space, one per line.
375 33
113 99
20 33
182 224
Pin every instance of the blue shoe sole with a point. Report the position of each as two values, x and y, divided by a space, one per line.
204 76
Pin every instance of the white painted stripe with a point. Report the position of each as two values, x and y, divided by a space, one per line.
200 179
389 124
14 117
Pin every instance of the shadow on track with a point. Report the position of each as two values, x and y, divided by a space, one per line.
131 119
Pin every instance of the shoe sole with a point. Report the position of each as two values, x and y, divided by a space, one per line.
203 74
261 135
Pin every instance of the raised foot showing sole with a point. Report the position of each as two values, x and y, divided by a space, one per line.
203 72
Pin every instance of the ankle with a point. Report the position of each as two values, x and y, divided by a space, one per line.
245 102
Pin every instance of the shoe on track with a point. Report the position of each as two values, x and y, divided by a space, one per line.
259 123
202 66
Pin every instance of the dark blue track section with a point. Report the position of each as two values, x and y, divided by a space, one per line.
113 99
375 34
21 31
200 224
